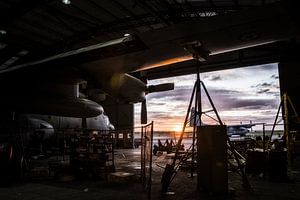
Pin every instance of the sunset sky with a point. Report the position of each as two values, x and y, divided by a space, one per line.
240 95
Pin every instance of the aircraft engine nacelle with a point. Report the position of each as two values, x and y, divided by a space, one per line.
49 98
125 87
70 107
36 126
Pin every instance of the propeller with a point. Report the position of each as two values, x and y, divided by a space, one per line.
160 87
150 89
144 112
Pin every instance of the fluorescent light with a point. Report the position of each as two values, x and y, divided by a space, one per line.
67 2
3 32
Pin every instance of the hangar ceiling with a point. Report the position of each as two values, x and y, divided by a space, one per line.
34 29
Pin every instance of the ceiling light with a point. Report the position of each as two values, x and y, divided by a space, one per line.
126 34
3 32
23 53
67 2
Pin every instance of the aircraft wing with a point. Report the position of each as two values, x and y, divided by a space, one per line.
241 125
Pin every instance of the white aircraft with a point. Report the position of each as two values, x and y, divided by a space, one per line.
234 129
239 129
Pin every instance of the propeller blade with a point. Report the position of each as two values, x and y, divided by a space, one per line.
150 89
144 112
160 87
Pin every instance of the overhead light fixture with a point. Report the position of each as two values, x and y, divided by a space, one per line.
3 32
23 53
67 2
126 34
197 49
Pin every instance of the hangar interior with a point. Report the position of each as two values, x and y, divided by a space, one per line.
89 61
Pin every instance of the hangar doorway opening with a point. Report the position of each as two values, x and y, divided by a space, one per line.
241 96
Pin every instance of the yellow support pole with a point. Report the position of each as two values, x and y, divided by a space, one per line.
287 135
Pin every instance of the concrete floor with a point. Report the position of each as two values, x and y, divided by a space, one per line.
128 160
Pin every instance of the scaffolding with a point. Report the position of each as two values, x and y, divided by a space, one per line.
146 157
284 105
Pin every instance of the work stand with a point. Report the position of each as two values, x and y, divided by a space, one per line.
195 101
289 115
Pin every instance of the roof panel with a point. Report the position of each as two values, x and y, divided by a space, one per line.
132 6
55 27
115 7
41 16
94 11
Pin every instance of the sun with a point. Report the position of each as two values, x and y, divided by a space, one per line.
177 128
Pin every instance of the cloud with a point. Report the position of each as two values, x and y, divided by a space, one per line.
219 75
249 104
266 84
253 104
274 76
215 78
159 103
258 69
267 67
261 91
229 99
234 95
212 77
267 88
223 99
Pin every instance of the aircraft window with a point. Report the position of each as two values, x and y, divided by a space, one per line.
113 135
129 136
121 135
